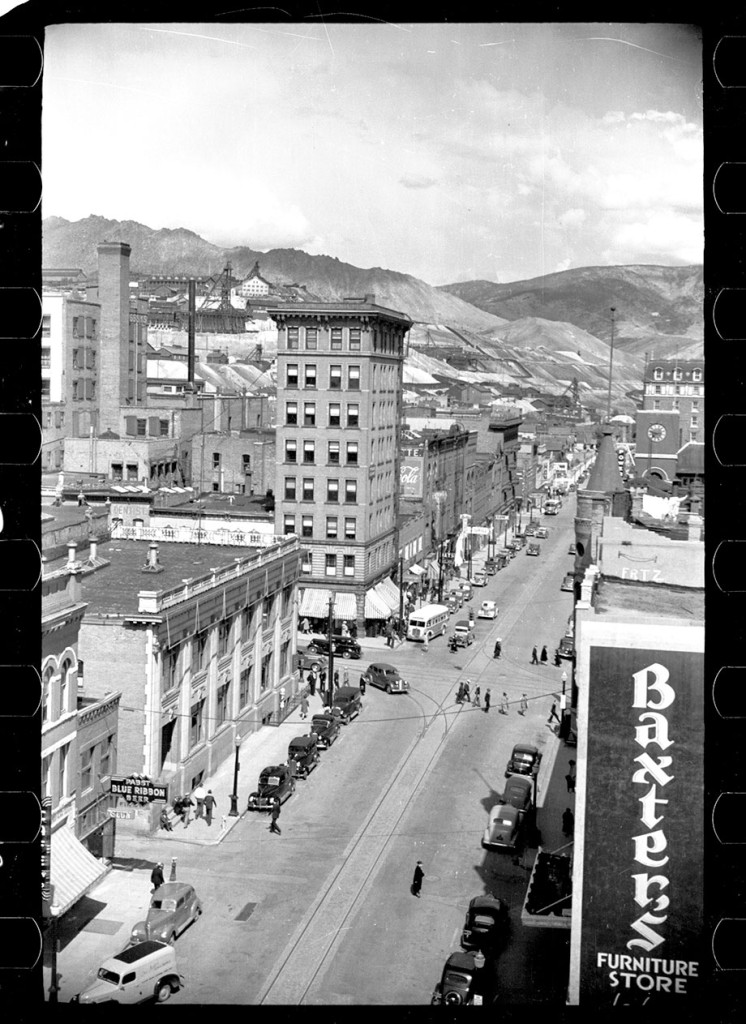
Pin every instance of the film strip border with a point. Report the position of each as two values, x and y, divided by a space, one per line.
24 840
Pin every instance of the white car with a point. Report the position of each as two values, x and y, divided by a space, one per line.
487 610
479 579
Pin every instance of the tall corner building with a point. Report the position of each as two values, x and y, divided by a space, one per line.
339 407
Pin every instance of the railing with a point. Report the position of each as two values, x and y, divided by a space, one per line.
194 535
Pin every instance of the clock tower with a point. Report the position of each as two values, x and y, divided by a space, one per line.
657 447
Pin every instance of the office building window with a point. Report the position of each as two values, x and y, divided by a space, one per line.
199 651
657 373
335 414
132 471
223 701
309 452
164 427
335 377
677 374
354 339
353 378
306 565
46 326
306 526
353 415
307 489
336 339
309 414
244 681
291 451
197 724
46 358
216 460
292 337
312 338
349 565
331 565
246 464
331 527
46 392
310 375
350 492
656 389
63 770
332 490
142 428
289 525
292 375
290 488
350 528
291 414
266 672
106 758
333 453
224 636
352 448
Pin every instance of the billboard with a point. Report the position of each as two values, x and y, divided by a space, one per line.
642 844
411 476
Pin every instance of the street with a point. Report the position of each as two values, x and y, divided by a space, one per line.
322 913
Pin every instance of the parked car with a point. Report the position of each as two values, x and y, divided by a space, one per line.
173 907
386 677
463 983
304 751
503 830
308 659
530 529
148 970
347 703
275 781
487 610
325 727
491 566
466 590
524 760
455 601
519 793
463 633
566 647
342 646
568 583
542 532
486 923
509 551
533 549
479 579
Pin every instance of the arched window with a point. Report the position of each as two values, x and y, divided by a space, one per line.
677 374
46 694
657 373
696 374
65 674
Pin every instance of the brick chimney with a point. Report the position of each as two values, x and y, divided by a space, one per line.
93 552
72 549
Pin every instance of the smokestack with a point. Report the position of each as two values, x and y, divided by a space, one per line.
72 548
92 554
192 292
152 555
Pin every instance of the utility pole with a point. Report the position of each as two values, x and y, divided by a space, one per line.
440 573
330 631
611 364
401 596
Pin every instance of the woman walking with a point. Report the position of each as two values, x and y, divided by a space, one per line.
476 702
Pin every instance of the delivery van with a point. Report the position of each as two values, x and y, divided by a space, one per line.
146 970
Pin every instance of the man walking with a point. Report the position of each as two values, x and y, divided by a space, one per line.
524 705
186 803
467 694
362 684
486 701
498 648
553 714
304 706
156 876
504 704
534 657
476 702
419 875
273 826
311 680
199 800
544 655
460 692
210 805
568 822
346 677
570 780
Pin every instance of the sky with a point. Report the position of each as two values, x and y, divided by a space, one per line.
451 152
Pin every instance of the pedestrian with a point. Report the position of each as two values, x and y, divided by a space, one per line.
486 701
345 629
419 875
322 679
534 657
557 659
165 822
568 822
570 780
460 692
524 705
504 704
336 678
210 805
199 800
572 767
425 645
305 626
476 702
353 631
311 680
553 714
186 803
273 826
544 655
156 876
498 648
467 694
304 706
362 683
346 677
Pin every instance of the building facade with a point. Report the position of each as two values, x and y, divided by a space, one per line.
339 388
677 385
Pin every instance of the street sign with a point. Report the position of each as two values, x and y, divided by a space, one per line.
121 815
138 789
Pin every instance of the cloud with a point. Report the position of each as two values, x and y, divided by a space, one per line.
572 218
417 181
665 234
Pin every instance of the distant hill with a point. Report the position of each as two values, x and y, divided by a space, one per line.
180 251
658 309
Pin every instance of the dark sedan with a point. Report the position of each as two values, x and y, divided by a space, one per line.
524 760
275 781
486 923
342 647
518 793
386 677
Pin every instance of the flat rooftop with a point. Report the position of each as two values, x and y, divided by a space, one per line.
644 602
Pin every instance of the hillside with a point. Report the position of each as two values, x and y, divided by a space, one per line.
658 309
73 244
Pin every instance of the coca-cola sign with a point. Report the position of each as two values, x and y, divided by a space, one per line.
410 477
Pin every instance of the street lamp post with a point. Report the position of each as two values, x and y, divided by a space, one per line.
233 812
54 988
330 678
401 596
440 573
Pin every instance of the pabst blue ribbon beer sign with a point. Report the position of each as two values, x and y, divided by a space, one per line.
642 875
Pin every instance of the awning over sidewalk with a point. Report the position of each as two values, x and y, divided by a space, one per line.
388 591
74 869
375 606
315 602
417 570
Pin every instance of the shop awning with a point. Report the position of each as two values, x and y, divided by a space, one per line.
375 606
389 592
315 602
74 869
417 570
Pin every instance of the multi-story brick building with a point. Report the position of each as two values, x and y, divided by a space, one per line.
677 385
339 388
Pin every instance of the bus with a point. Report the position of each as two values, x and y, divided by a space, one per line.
429 621
552 507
